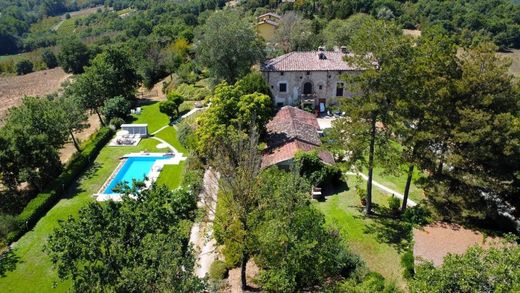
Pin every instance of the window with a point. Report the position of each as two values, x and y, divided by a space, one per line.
281 73
282 87
320 87
308 73
339 89
279 104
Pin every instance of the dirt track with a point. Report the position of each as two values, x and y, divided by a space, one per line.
40 83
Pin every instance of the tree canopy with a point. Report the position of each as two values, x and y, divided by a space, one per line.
228 45
105 248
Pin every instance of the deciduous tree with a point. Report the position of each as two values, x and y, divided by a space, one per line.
228 45
106 249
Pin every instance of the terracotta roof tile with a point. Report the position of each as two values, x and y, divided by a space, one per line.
309 61
290 131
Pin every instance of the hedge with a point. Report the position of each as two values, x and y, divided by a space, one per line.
44 201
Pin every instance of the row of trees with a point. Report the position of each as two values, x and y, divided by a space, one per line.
453 114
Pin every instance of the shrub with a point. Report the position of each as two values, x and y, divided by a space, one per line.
407 261
394 203
168 108
186 136
116 122
218 270
8 223
318 173
116 107
417 215
39 205
361 193
49 59
24 67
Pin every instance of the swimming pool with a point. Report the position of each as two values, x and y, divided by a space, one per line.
134 168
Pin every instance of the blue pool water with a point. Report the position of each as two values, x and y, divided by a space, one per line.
134 168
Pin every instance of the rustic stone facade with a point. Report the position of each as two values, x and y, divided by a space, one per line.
307 78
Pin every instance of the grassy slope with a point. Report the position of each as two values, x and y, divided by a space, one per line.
363 235
34 269
150 114
170 134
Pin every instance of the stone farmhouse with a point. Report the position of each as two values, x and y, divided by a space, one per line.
292 130
308 79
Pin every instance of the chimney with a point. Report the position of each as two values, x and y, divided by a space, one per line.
344 50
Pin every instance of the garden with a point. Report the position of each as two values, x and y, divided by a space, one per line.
29 267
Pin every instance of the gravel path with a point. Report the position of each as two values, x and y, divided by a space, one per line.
201 236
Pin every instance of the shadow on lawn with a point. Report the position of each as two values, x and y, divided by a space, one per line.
332 189
8 262
75 189
390 229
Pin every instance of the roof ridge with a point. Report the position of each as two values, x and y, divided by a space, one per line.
280 59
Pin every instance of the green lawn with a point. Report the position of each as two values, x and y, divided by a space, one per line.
171 175
398 183
170 134
378 240
150 114
34 270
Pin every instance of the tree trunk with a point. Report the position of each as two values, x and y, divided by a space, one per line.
368 207
99 115
441 159
407 187
76 145
243 266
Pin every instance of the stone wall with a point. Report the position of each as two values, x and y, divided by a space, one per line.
324 85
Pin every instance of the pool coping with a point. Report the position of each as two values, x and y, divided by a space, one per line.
152 175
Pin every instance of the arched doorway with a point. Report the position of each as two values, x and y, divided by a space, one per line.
307 88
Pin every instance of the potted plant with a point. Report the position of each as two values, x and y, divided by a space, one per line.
362 196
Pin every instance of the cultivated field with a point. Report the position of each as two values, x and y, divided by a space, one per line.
40 83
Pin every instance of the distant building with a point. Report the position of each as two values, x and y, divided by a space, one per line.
310 78
292 130
267 25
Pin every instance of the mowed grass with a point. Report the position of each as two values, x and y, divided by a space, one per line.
170 134
34 271
344 212
171 175
398 183
151 115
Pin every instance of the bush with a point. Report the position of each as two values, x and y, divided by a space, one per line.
24 67
116 122
418 215
49 59
218 270
116 107
44 201
394 203
186 136
407 261
318 173
8 223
